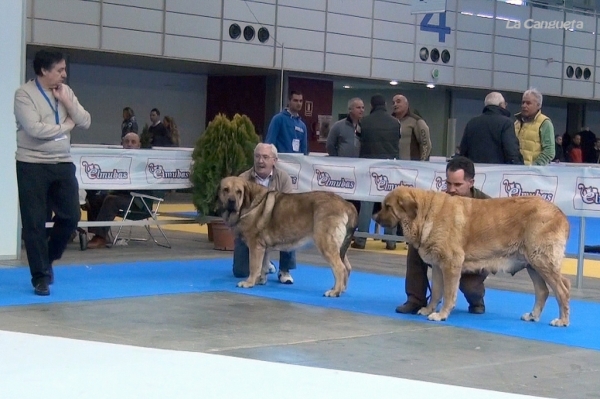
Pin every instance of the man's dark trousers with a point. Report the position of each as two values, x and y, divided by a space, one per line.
44 186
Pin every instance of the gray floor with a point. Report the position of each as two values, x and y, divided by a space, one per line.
250 327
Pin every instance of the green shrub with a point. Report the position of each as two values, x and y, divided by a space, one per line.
226 148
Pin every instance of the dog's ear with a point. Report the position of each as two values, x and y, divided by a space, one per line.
247 193
407 203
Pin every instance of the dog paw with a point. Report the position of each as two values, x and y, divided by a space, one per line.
529 317
425 311
559 323
436 317
332 293
245 284
262 280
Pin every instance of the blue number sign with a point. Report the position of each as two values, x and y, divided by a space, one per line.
442 30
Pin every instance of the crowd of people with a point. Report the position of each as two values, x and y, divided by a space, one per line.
160 133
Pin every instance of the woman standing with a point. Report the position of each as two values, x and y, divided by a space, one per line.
129 123
172 129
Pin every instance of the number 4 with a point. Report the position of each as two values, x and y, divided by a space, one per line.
441 29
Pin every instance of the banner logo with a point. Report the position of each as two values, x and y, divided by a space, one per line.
325 179
93 171
105 170
387 179
159 172
382 183
589 195
338 179
166 171
521 186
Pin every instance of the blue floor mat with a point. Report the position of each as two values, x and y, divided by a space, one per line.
370 294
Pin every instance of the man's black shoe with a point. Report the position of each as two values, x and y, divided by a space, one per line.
477 309
41 288
408 308
357 245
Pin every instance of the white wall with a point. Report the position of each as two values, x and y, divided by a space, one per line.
104 91
368 38
12 48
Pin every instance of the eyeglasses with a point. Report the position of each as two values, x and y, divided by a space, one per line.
263 157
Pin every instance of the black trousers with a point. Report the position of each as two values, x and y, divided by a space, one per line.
111 205
44 187
417 282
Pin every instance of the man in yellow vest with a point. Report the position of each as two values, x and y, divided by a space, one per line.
534 130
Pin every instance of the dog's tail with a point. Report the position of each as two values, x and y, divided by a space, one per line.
351 226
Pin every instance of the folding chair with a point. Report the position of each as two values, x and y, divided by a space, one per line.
141 207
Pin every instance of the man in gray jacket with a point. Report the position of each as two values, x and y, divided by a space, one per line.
344 137
46 111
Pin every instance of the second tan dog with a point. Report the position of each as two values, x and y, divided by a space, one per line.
272 220
456 234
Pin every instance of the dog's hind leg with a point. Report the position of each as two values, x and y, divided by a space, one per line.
331 252
561 287
344 255
541 295
348 271
549 270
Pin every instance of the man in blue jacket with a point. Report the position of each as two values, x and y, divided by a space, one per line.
286 131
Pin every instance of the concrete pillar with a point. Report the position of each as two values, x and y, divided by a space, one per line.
12 48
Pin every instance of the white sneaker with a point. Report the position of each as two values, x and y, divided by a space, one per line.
285 278
272 268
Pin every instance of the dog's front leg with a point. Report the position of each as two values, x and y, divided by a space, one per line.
257 253
437 290
451 279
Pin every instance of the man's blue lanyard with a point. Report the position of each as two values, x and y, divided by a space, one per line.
55 108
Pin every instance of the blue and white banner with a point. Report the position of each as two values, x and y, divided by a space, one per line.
575 189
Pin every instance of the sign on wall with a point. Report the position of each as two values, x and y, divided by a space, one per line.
428 6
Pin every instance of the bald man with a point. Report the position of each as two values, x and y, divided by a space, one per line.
131 141
415 142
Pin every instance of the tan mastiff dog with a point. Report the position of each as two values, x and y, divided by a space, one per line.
272 220
457 234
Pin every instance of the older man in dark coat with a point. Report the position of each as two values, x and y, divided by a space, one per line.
490 137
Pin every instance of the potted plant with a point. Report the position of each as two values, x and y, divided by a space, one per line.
145 138
226 148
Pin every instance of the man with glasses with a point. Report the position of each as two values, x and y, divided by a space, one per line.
266 174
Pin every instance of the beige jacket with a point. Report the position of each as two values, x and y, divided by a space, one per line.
279 180
39 138
415 142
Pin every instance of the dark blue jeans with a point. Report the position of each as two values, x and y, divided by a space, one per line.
43 187
241 259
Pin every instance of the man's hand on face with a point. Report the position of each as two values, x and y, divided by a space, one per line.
60 93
